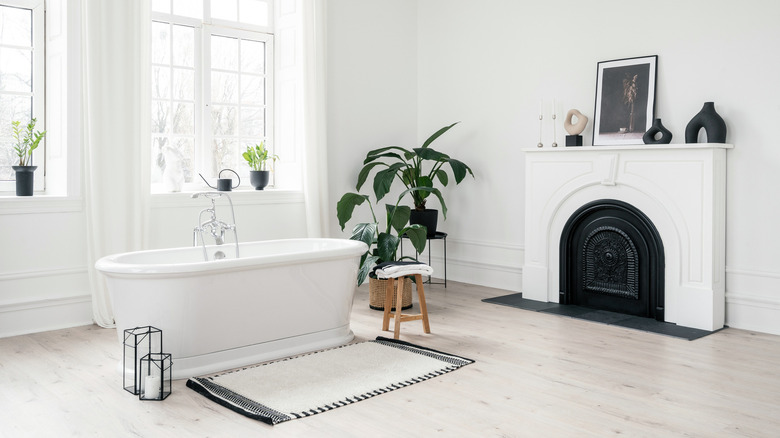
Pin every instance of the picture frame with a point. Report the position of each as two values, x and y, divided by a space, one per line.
625 100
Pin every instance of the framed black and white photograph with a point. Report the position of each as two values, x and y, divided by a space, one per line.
625 100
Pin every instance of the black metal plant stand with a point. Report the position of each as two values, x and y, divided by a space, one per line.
440 235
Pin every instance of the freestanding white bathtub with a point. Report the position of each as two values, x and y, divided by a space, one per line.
280 298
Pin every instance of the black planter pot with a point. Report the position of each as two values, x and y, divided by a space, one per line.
259 178
712 123
428 217
25 178
649 137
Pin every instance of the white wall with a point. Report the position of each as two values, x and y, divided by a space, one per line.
372 88
487 64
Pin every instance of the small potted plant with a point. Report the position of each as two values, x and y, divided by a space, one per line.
27 140
408 166
257 158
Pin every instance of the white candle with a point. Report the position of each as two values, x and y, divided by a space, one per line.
541 106
553 107
152 387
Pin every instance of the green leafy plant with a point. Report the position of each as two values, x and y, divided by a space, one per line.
409 167
383 245
257 157
27 140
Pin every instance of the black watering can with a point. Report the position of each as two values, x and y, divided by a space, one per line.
224 184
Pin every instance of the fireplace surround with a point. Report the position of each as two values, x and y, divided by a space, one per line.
680 189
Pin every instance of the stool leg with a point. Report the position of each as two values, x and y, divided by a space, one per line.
423 306
399 303
388 303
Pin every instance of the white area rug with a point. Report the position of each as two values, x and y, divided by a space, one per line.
316 382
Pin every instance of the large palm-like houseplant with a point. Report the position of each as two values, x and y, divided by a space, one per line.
409 166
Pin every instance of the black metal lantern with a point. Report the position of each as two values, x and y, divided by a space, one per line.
156 376
138 343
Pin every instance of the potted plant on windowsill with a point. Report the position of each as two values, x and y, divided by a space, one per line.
383 245
257 158
408 167
27 140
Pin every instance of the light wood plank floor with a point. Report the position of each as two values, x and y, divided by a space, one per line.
536 375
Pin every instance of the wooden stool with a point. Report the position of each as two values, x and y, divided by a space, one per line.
400 317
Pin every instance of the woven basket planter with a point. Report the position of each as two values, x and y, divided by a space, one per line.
376 294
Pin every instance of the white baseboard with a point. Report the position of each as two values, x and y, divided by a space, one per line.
21 318
753 300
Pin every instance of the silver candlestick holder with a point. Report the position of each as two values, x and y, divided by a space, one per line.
554 143
540 132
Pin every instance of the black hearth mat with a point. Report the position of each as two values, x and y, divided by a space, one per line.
601 316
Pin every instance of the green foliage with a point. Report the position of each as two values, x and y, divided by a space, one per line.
257 157
408 166
27 140
382 246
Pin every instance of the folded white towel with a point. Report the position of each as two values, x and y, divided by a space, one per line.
400 271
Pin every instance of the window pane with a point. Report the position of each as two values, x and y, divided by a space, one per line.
225 155
183 84
161 82
224 87
223 120
160 117
253 12
224 10
163 6
252 56
252 90
183 46
189 8
13 108
15 70
181 155
224 53
161 43
7 159
183 119
15 26
252 122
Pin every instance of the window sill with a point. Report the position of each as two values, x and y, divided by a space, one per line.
239 197
39 203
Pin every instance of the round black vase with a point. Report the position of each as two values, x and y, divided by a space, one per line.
710 121
25 179
259 178
649 137
427 217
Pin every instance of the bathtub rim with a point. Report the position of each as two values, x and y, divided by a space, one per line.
113 266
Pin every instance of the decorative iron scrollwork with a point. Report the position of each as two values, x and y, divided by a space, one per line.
611 263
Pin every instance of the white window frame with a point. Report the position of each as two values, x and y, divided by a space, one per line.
204 29
208 134
38 93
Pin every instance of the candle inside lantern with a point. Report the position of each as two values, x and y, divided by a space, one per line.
152 387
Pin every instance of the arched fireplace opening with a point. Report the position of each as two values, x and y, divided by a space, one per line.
612 258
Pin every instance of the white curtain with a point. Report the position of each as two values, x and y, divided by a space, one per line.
315 179
116 112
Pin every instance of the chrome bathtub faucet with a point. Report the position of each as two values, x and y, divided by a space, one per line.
213 226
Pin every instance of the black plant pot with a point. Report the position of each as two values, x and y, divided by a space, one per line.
649 137
259 178
428 217
712 123
25 179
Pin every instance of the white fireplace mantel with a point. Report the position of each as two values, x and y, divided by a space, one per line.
680 187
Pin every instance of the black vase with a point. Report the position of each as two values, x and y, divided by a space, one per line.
25 179
711 121
259 178
427 217
649 137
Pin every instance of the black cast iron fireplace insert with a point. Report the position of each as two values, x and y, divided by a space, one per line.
612 258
